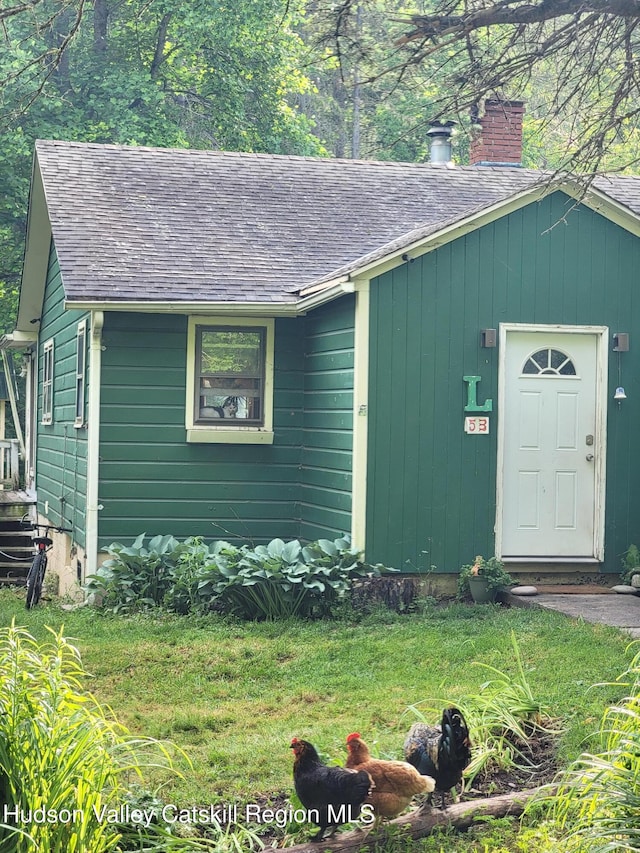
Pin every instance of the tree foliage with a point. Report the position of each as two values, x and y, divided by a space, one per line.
168 73
575 62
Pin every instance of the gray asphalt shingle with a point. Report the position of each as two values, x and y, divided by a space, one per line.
149 224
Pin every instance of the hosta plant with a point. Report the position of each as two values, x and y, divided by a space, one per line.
165 572
283 579
273 581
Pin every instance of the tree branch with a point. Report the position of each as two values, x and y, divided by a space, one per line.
512 12
159 55
421 822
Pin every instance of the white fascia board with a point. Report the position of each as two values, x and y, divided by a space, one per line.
595 199
18 340
217 309
598 201
36 256
451 232
320 297
420 246
247 309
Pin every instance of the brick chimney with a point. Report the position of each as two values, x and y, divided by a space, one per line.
499 140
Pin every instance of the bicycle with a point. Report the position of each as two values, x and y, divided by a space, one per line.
35 577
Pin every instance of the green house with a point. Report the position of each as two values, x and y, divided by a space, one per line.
441 360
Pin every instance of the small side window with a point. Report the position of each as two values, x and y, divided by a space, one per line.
47 382
81 367
230 375
230 380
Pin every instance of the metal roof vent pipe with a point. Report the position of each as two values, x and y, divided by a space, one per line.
440 133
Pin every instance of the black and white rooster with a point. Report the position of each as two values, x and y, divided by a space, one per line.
441 751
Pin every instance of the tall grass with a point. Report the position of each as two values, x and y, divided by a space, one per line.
503 716
63 761
598 800
232 693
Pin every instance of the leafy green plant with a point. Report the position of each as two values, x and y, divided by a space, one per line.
138 576
283 579
503 717
630 563
274 581
492 570
64 761
184 594
598 798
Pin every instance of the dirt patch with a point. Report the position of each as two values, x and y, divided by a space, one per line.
537 766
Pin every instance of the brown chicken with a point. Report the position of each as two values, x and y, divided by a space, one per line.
396 782
332 795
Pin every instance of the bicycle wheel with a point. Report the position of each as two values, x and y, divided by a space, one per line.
35 579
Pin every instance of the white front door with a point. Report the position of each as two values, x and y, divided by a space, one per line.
551 437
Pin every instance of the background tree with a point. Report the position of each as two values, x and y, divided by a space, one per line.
352 104
183 73
575 62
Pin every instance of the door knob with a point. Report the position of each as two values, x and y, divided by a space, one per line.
589 457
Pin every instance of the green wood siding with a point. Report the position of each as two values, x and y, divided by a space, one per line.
152 480
325 507
431 488
61 464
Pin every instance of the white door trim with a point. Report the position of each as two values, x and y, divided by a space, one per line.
360 416
601 334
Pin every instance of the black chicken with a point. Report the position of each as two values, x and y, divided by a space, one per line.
332 795
440 751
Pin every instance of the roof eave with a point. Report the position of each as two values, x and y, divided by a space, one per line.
18 340
247 309
36 254
217 309
411 249
597 200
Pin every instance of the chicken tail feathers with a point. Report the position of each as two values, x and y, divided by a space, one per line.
455 741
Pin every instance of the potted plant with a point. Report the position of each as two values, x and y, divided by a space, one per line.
631 566
483 579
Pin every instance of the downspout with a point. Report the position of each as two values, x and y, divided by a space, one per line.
93 442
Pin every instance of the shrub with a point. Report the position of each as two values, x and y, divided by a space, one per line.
274 581
630 564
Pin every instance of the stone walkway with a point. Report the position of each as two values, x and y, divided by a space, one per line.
605 608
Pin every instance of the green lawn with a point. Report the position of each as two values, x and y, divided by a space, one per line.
233 694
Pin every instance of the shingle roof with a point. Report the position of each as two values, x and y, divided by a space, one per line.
154 224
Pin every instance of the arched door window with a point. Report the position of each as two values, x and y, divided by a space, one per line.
549 362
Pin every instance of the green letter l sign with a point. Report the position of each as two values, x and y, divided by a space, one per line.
472 402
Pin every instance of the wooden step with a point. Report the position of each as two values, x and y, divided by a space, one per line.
16 541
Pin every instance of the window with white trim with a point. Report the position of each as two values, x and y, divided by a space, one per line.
81 369
47 382
230 380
